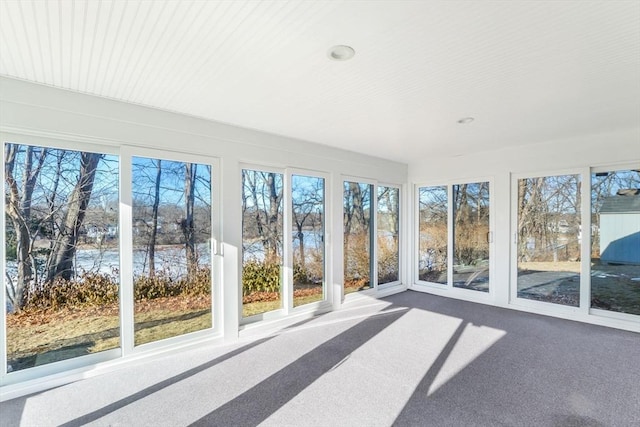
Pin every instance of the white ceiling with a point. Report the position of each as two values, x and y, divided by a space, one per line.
526 71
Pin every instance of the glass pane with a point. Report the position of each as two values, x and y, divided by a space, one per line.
432 261
262 231
171 251
307 196
61 253
548 239
471 236
388 234
615 241
357 236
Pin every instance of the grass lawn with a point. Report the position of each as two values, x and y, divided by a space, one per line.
40 337
258 303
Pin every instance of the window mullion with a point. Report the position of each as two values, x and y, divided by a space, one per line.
126 247
585 242
450 224
287 250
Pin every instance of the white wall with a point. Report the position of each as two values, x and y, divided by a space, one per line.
573 155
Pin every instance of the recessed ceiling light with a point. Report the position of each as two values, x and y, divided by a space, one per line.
466 120
341 53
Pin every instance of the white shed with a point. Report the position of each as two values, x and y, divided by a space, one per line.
620 230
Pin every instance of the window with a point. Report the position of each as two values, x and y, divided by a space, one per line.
454 235
308 216
433 234
61 253
471 236
388 220
171 227
615 241
357 236
548 239
262 241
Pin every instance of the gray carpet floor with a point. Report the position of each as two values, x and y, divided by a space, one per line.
411 359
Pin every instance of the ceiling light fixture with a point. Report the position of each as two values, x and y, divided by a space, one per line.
341 53
466 120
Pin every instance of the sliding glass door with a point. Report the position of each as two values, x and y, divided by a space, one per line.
308 231
262 241
358 228
455 236
61 252
171 227
615 240
548 239
433 236
388 234
103 252
471 236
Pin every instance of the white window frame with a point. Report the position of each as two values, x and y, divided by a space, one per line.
586 248
394 283
8 378
126 232
286 285
373 250
585 205
416 238
376 289
448 288
327 291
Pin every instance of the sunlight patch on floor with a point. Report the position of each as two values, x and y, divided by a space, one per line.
472 343
396 358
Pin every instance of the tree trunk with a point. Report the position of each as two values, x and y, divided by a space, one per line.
154 222
358 206
301 239
355 220
51 198
60 261
25 271
272 219
18 208
188 227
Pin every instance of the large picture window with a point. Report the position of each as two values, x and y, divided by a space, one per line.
61 254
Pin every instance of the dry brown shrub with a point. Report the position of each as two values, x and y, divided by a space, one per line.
357 257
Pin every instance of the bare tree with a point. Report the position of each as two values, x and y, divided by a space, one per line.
188 226
354 207
388 198
433 240
60 260
154 220
53 194
357 232
304 203
262 210
18 204
532 212
548 217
